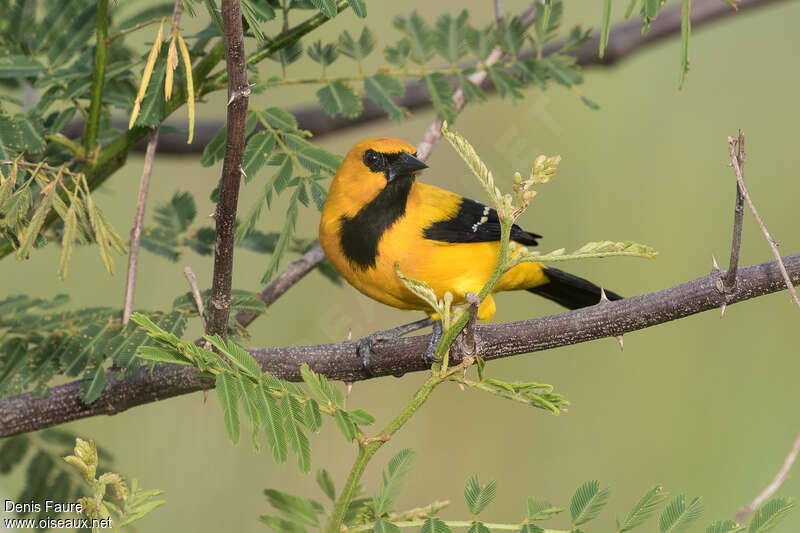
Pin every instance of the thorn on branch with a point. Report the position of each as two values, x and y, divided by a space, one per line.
621 343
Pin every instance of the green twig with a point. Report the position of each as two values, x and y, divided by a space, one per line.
100 56
75 148
132 29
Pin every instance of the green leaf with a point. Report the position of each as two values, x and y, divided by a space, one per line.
336 98
678 516
12 452
323 55
644 508
587 502
324 390
450 39
392 481
318 194
513 37
478 527
562 68
384 526
228 394
327 7
178 214
280 119
255 12
361 417
283 241
381 89
236 354
724 526
507 85
152 109
770 515
532 528
434 525
76 354
398 54
419 35
472 92
324 480
95 376
273 426
345 424
357 49
359 7
21 134
542 510
441 96
259 148
306 511
481 42
292 417
19 66
313 416
605 27
477 496
280 525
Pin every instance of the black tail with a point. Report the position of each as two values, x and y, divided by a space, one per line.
570 291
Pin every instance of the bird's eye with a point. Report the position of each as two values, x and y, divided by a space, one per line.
372 159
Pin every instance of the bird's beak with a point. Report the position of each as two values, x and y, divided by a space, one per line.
406 164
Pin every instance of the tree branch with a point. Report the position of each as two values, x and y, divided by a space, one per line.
238 98
30 412
729 280
767 493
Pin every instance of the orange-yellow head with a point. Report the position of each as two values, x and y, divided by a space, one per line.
368 167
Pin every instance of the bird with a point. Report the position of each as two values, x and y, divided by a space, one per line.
377 214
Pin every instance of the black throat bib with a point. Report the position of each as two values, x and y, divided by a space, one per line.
361 234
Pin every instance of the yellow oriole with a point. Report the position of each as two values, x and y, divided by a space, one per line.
376 214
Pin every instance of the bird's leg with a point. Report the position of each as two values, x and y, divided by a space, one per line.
365 344
430 352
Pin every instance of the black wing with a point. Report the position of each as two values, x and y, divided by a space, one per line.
475 222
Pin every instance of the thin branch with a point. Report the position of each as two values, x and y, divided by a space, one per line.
238 92
767 493
30 412
98 78
294 272
738 214
739 170
198 300
136 230
144 187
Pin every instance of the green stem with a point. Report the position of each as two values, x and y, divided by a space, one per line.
69 144
100 56
366 451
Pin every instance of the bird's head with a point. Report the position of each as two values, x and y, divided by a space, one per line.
370 166
377 161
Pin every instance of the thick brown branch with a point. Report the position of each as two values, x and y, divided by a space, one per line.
625 40
30 412
238 97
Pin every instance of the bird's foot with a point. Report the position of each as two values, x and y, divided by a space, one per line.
365 345
429 357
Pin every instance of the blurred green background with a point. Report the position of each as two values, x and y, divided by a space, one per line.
702 405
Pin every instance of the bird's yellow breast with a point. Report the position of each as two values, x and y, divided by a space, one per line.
455 267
